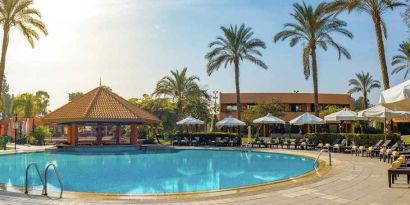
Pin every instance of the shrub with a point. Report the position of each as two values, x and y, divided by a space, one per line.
361 139
39 133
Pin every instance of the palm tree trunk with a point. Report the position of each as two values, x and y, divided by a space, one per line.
238 92
3 55
315 81
380 49
365 100
179 110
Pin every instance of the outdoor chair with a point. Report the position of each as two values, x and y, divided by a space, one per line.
296 143
311 144
286 142
386 153
274 142
195 141
339 146
376 150
369 150
398 167
234 141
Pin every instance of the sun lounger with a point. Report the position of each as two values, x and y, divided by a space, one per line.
376 150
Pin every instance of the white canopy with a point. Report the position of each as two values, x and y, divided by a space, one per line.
190 121
269 119
307 119
380 112
397 98
230 122
344 115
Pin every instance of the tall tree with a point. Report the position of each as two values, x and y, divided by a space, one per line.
44 99
74 95
179 86
402 61
19 14
375 8
236 45
25 105
363 83
314 27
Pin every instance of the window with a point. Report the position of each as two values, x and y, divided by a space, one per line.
296 108
250 106
231 108
312 107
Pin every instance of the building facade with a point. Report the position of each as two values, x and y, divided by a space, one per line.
294 104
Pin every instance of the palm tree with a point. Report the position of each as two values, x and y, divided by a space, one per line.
375 8
19 14
179 86
234 47
363 83
314 28
26 105
402 61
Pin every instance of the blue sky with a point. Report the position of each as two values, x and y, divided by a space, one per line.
131 44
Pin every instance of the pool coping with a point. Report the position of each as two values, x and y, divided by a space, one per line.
314 174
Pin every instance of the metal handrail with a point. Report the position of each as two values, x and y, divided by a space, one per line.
315 163
58 178
26 178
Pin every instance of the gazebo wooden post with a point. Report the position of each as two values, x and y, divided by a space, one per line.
133 134
72 134
99 134
118 134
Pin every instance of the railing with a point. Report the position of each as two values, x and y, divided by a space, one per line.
316 164
58 178
26 179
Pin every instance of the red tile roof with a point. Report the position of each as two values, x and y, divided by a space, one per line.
100 105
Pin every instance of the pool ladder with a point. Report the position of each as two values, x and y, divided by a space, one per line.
316 164
44 183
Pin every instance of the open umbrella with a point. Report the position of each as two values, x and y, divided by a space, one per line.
230 122
344 115
267 120
190 121
382 113
307 119
397 98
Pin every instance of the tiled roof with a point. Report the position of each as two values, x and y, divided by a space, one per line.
230 98
100 105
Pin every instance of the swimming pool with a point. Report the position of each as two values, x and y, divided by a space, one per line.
129 170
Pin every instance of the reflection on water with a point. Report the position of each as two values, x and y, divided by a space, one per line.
130 171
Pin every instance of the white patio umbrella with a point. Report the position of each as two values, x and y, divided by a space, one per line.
344 115
382 113
397 98
267 120
190 121
230 122
307 119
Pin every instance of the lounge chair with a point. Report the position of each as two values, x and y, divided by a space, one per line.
286 142
339 146
311 144
386 152
296 143
398 167
376 150
370 149
195 141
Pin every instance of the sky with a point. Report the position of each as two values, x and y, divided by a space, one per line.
131 44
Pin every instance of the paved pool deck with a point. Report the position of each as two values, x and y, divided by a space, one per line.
351 180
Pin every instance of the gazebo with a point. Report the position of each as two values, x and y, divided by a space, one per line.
100 107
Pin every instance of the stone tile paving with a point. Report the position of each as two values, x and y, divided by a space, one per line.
351 180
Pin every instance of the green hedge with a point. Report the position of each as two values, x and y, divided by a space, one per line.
361 139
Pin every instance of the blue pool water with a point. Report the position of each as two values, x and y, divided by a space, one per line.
128 170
